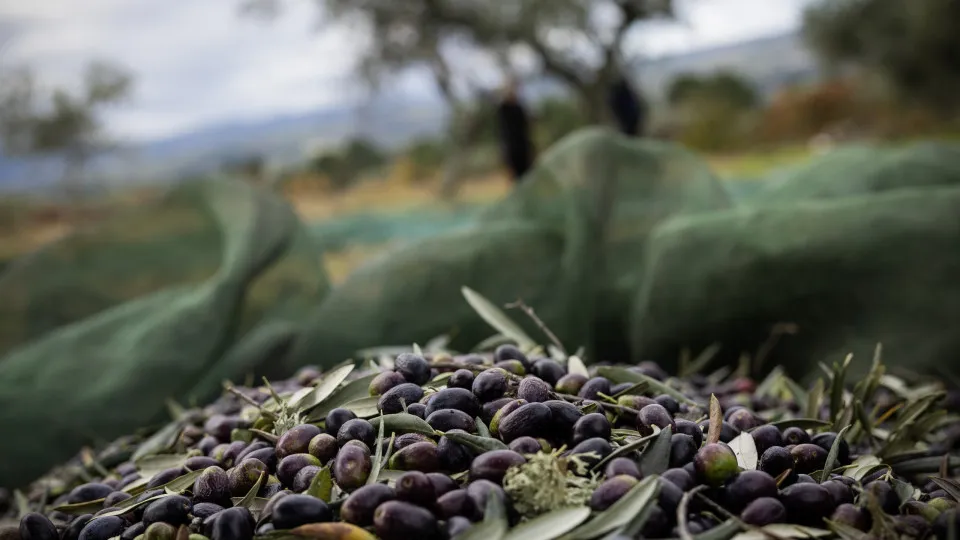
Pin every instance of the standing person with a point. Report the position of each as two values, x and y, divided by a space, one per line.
627 107
514 127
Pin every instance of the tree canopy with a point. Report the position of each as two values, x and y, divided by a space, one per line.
577 42
66 123
913 45
729 89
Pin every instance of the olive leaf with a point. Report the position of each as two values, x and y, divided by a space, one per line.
626 449
321 486
639 497
575 366
838 378
391 475
845 532
363 407
781 530
121 510
296 399
352 391
860 466
401 423
814 398
701 361
866 425
269 437
475 442
493 342
182 483
799 395
716 420
78 509
247 499
634 527
328 385
905 491
745 448
328 530
136 487
378 457
256 505
151 465
378 471
161 441
832 456
550 525
802 423
951 487
656 456
438 344
439 381
724 531
482 428
783 476
496 318
865 389
619 375
494 524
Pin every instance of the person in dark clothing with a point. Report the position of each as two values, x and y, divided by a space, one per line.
627 107
514 128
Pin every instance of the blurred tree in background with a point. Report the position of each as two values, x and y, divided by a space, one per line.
345 165
576 42
713 112
914 46
62 123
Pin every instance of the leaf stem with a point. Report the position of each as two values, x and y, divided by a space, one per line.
519 304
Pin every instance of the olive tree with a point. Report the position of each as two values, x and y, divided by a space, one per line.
576 42
913 46
61 123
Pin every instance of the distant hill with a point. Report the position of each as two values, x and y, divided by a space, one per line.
769 63
390 121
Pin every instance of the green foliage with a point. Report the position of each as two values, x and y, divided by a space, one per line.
424 33
722 87
712 110
343 166
427 155
63 122
913 46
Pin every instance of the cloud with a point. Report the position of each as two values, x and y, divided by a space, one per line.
200 63
194 65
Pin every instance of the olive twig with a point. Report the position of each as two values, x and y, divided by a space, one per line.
519 304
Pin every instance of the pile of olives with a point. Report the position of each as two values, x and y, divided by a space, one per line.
426 451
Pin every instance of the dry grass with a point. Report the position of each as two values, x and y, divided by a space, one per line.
379 193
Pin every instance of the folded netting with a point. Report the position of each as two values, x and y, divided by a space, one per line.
568 241
863 169
165 302
849 273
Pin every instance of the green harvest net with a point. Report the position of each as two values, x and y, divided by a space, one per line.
626 247
166 302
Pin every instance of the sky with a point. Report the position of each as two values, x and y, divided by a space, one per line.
198 62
